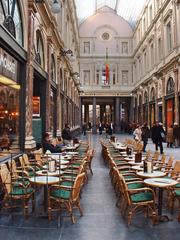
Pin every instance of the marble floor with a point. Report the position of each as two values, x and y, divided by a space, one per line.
101 220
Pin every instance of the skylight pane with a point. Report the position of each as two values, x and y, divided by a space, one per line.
85 8
128 9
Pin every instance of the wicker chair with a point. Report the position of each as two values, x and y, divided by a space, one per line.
61 197
15 191
136 198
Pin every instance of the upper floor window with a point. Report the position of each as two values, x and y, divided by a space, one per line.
39 49
86 77
169 36
114 76
87 47
153 94
97 76
53 68
125 77
124 49
150 14
170 86
144 25
152 54
145 62
10 17
159 48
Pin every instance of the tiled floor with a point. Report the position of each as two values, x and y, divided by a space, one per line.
101 219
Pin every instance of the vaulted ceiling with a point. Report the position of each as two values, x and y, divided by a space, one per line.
128 9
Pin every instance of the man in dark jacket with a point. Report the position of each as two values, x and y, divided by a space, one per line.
66 134
145 135
157 135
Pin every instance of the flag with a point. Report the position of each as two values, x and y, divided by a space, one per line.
107 67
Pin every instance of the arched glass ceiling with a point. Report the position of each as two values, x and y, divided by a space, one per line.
128 9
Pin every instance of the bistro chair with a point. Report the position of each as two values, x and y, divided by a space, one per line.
138 198
61 197
15 192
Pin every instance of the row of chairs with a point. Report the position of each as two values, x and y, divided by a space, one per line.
131 191
16 185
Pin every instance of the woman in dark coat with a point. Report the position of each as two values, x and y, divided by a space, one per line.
145 135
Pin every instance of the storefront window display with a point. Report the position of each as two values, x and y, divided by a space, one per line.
9 116
9 100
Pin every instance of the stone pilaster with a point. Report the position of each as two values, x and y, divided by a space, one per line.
176 97
80 112
86 113
29 140
163 101
117 115
48 84
94 128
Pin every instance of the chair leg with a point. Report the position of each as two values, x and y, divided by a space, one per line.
179 212
79 207
49 210
25 204
70 210
129 217
33 202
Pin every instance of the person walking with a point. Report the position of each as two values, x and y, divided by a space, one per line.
110 128
169 137
100 128
138 133
158 136
84 128
145 135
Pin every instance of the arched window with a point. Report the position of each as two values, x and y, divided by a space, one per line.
53 68
170 86
153 94
10 17
145 97
140 100
39 49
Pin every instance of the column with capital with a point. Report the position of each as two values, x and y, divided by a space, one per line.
80 112
117 115
94 128
29 140
163 101
48 84
86 113
176 97
156 102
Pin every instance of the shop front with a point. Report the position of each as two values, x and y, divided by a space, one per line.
12 81
39 104
170 109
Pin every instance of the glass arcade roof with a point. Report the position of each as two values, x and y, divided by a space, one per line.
128 9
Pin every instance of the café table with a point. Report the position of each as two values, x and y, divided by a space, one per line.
61 166
48 173
160 183
140 168
154 174
133 163
44 181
